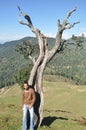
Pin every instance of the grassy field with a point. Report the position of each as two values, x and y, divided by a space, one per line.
65 106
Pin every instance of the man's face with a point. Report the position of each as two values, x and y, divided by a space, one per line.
25 86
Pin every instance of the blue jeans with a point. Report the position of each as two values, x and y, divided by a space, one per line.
25 110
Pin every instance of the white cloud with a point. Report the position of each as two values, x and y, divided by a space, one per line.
83 33
50 35
66 36
5 38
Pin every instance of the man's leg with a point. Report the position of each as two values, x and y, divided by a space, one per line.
31 118
24 125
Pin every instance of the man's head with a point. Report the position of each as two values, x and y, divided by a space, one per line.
25 86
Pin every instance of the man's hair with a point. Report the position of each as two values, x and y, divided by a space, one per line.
25 82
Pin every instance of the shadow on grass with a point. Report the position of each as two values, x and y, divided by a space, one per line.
47 121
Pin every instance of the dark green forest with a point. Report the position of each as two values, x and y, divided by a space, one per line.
69 63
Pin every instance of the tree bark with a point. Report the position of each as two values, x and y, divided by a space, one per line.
36 76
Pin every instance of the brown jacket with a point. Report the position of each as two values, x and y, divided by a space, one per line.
28 97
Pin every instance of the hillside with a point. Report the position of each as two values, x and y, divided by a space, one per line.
70 63
64 109
11 61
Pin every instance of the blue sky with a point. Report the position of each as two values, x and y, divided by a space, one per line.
44 15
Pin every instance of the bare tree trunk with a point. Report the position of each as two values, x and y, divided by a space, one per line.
36 76
39 81
40 91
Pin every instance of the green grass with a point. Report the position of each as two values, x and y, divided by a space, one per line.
64 109
10 109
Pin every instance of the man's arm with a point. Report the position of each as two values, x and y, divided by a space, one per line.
22 99
33 98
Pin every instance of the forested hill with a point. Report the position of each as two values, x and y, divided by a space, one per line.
11 61
70 63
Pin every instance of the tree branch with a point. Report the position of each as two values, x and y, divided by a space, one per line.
71 25
33 29
70 12
32 59
41 39
65 22
61 27
26 16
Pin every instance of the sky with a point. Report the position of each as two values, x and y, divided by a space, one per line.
44 15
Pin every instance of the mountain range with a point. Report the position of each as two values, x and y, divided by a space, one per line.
71 63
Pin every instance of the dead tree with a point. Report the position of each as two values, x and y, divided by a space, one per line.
45 55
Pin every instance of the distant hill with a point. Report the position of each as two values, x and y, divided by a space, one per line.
71 63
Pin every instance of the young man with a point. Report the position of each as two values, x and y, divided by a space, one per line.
28 100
